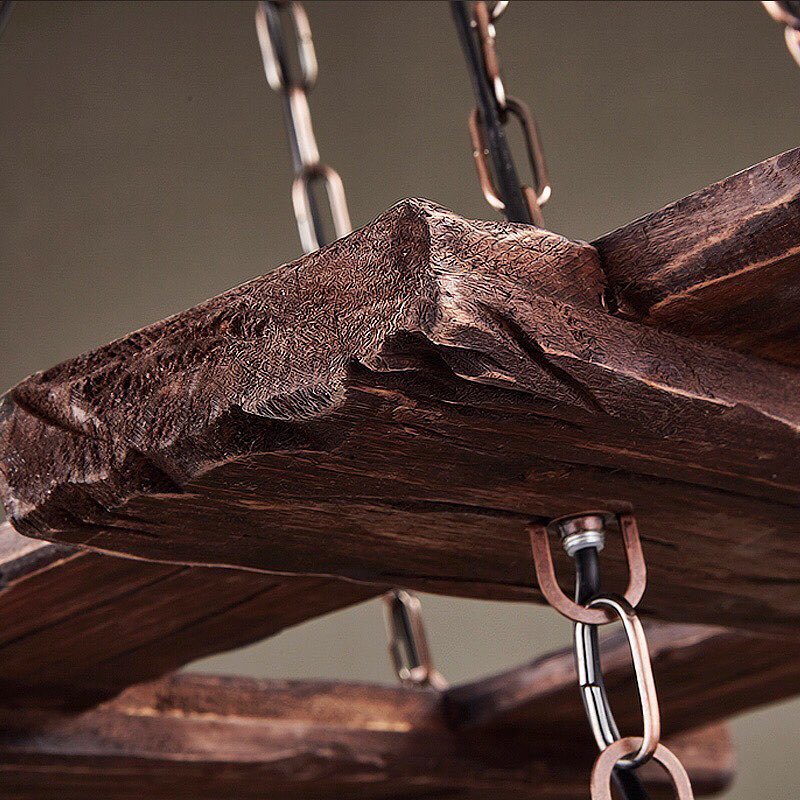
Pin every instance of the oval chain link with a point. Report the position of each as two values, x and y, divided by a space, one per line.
536 196
595 700
786 12
271 26
587 530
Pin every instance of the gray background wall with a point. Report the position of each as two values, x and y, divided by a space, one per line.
143 168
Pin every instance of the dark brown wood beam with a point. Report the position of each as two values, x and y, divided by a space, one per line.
704 675
395 408
78 626
722 264
194 737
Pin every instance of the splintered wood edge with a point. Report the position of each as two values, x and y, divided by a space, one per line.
153 409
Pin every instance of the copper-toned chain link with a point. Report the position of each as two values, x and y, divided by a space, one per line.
484 16
578 533
271 26
408 643
787 13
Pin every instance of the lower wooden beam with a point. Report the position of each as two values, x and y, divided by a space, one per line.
77 626
703 675
196 737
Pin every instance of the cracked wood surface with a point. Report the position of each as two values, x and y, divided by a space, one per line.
192 736
395 407
722 264
78 626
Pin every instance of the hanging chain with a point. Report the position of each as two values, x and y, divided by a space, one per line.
497 173
787 12
310 172
583 537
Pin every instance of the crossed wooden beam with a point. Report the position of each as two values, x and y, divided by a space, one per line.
393 410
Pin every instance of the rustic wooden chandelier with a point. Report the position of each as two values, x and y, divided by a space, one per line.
429 403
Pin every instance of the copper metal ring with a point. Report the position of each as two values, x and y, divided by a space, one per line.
302 203
609 758
595 700
781 14
545 573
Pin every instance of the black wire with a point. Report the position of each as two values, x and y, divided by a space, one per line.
5 13
505 173
587 586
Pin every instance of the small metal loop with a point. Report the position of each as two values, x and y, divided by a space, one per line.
303 208
408 644
533 146
782 13
499 8
545 573
487 36
595 700
609 758
303 129
272 44
792 36
534 197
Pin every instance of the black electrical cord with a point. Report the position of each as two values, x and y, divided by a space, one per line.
505 173
587 586
5 13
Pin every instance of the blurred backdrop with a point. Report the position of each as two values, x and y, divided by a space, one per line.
144 168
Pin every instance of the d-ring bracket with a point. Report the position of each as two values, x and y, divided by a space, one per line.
604 766
546 576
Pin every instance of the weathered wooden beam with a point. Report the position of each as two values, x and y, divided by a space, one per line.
722 264
78 626
395 407
703 674
200 737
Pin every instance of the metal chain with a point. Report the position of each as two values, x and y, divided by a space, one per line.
497 172
787 12
583 535
271 18
408 644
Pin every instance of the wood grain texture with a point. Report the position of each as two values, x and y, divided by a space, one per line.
394 409
78 626
722 264
704 674
201 737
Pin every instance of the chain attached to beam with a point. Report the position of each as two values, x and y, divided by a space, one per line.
497 172
583 537
310 172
